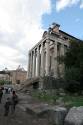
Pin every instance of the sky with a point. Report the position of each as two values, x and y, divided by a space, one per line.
22 23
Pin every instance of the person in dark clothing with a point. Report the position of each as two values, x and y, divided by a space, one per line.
14 101
6 90
1 94
7 106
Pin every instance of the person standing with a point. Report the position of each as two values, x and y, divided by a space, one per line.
14 101
7 106
1 94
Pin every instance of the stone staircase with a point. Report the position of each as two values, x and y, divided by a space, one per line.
27 85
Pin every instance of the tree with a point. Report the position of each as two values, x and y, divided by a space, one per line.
74 63
71 57
1 82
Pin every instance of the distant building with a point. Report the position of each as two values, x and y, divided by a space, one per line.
4 77
14 76
18 76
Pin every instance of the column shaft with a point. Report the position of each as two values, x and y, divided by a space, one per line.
28 75
62 52
38 61
34 64
42 60
47 57
55 61
31 67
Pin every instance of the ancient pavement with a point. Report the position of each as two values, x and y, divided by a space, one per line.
21 117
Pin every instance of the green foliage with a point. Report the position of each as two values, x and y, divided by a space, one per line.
72 74
45 96
51 97
74 66
1 82
72 86
74 54
73 100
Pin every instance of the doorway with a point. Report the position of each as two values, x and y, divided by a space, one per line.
35 85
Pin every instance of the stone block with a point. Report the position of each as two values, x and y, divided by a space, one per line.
58 115
74 116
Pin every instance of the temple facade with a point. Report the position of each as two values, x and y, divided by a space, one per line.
44 57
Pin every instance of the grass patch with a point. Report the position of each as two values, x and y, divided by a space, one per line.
74 100
44 96
49 97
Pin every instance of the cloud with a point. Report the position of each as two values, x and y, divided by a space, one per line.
20 29
61 4
7 55
81 5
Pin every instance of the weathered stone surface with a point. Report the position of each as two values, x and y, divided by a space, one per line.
74 116
54 114
60 102
37 109
58 115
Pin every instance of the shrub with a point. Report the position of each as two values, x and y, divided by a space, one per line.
1 82
72 86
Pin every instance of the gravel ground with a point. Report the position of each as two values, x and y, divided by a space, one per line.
20 117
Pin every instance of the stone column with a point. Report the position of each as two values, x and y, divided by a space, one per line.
55 61
42 60
34 64
47 57
29 72
62 52
28 75
31 65
38 61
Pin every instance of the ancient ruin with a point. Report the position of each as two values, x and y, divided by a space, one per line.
44 57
